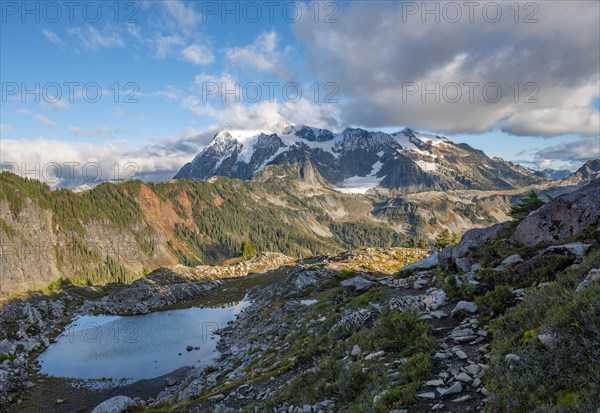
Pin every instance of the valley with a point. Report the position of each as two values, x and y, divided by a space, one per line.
121 231
373 329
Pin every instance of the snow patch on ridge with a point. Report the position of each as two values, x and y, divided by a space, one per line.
361 184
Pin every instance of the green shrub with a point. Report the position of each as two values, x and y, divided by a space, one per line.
446 239
401 333
561 376
7 357
496 302
398 397
374 295
527 205
459 290
541 268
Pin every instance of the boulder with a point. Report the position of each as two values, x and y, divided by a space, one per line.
577 249
511 358
356 285
192 391
463 334
513 259
459 255
424 264
114 405
455 388
549 339
465 306
434 299
565 216
592 278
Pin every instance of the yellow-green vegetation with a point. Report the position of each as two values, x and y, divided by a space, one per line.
320 347
445 239
560 374
404 338
554 332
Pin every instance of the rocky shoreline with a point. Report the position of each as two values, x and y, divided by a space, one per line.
357 331
28 324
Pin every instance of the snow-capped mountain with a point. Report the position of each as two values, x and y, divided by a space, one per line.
556 173
357 160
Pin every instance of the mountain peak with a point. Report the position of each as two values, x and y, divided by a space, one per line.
405 161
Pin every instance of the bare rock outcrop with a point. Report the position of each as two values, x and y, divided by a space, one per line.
565 216
459 255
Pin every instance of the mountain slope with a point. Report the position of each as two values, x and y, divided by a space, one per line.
117 232
587 173
495 323
120 231
556 173
357 160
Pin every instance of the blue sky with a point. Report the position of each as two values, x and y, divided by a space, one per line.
159 59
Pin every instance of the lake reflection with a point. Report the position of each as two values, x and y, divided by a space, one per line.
137 347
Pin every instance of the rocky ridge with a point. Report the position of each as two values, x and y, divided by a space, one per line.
356 160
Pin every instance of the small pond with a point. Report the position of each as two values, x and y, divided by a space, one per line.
137 347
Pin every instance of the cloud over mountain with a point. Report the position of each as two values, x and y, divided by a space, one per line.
379 53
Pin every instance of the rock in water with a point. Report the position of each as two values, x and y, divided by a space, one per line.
356 285
114 405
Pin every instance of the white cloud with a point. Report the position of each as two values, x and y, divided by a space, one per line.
184 15
165 45
578 151
23 111
198 54
135 31
44 120
102 131
169 92
562 110
156 162
376 51
92 39
262 55
265 115
229 108
53 104
53 37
